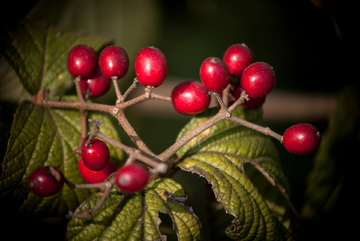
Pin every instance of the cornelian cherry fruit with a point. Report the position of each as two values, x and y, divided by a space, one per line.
150 66
237 57
301 139
214 74
96 155
190 98
258 79
132 178
81 61
46 181
97 85
114 62
91 176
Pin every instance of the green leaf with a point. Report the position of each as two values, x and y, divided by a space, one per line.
243 167
38 54
42 136
339 145
139 217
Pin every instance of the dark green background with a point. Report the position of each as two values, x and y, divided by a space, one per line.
298 39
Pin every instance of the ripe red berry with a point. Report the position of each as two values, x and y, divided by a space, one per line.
301 139
252 103
150 66
214 74
132 178
113 62
98 85
46 181
258 79
91 176
81 61
190 98
237 57
96 155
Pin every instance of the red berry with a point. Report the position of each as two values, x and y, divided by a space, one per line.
190 98
114 62
81 61
214 74
46 181
258 79
301 139
96 155
132 178
91 176
98 85
252 103
237 57
150 66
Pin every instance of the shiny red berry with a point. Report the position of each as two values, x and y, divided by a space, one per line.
190 98
98 85
132 178
214 74
81 61
96 155
113 62
150 66
301 139
258 79
91 176
46 181
237 57
252 103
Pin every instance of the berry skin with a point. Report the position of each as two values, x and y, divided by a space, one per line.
237 57
258 79
81 61
214 74
190 98
252 103
113 62
98 85
150 66
91 176
46 181
132 178
95 156
301 139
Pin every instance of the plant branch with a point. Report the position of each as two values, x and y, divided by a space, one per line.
220 116
133 153
265 130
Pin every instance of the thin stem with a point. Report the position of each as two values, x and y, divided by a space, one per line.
222 105
132 133
242 98
133 153
261 129
79 105
220 116
225 95
131 88
117 89
160 97
78 89
84 126
87 215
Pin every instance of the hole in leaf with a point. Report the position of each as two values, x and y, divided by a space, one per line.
166 227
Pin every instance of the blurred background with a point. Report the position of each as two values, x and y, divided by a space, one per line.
310 44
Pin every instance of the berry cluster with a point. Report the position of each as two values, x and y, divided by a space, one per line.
236 77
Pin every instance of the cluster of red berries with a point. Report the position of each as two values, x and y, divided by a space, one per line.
150 67
237 69
95 166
